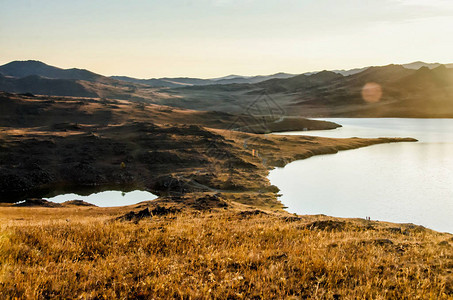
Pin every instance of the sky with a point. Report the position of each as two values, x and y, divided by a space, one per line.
213 38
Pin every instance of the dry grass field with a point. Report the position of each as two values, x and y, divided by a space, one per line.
230 252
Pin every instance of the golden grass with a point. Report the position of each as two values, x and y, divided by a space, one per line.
81 253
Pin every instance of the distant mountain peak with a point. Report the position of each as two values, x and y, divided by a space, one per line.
28 64
20 69
418 64
441 67
387 67
29 61
325 75
423 69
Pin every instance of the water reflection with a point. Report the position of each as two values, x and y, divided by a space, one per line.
107 198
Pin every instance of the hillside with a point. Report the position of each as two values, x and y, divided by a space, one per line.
32 67
44 86
418 64
403 91
223 251
421 93
39 78
49 142
186 81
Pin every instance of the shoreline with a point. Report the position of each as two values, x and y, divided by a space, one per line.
401 202
54 141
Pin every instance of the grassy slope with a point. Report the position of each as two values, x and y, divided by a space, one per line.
234 253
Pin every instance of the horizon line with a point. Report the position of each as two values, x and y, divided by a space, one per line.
220 77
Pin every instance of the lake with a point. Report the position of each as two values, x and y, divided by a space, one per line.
400 182
107 198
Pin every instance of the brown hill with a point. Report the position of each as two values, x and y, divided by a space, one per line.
27 68
44 86
403 93
48 142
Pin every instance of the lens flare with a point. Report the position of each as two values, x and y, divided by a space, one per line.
372 92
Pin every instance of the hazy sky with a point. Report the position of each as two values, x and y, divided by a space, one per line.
209 38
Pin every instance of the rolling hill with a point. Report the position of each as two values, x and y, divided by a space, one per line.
36 77
21 69
187 81
44 86
412 90
405 93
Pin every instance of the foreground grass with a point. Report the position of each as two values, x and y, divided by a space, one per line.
217 254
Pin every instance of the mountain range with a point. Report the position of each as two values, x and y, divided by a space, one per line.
231 79
187 81
416 90
401 92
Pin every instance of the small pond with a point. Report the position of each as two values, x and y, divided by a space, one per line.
107 198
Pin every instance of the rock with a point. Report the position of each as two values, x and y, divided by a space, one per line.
208 202
291 219
327 225
383 242
249 213
394 230
378 242
444 243
148 214
135 216
162 211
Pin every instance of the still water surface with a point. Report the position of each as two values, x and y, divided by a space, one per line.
107 198
400 182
